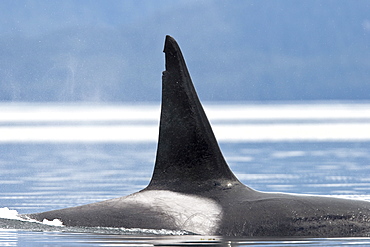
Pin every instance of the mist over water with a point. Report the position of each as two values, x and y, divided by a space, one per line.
139 123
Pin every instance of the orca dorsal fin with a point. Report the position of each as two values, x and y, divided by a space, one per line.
188 155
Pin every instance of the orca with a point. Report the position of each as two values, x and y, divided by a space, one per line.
193 188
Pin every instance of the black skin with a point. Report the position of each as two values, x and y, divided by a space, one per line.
189 161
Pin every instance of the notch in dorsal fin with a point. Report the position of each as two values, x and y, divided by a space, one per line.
188 155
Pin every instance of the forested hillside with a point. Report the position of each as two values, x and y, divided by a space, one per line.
235 50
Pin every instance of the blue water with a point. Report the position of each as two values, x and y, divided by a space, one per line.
39 175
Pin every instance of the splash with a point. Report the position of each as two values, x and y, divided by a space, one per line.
10 214
7 213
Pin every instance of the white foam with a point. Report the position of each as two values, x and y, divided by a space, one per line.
7 213
11 214
54 222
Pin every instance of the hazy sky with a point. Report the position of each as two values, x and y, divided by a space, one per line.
235 50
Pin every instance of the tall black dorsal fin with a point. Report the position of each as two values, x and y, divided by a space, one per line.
188 156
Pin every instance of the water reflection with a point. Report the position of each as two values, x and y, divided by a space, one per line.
19 238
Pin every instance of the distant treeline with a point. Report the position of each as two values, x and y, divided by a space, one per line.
235 50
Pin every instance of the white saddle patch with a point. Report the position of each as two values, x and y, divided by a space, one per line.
190 213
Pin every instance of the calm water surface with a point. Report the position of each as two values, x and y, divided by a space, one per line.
45 167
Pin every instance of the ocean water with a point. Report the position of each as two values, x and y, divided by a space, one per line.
56 156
